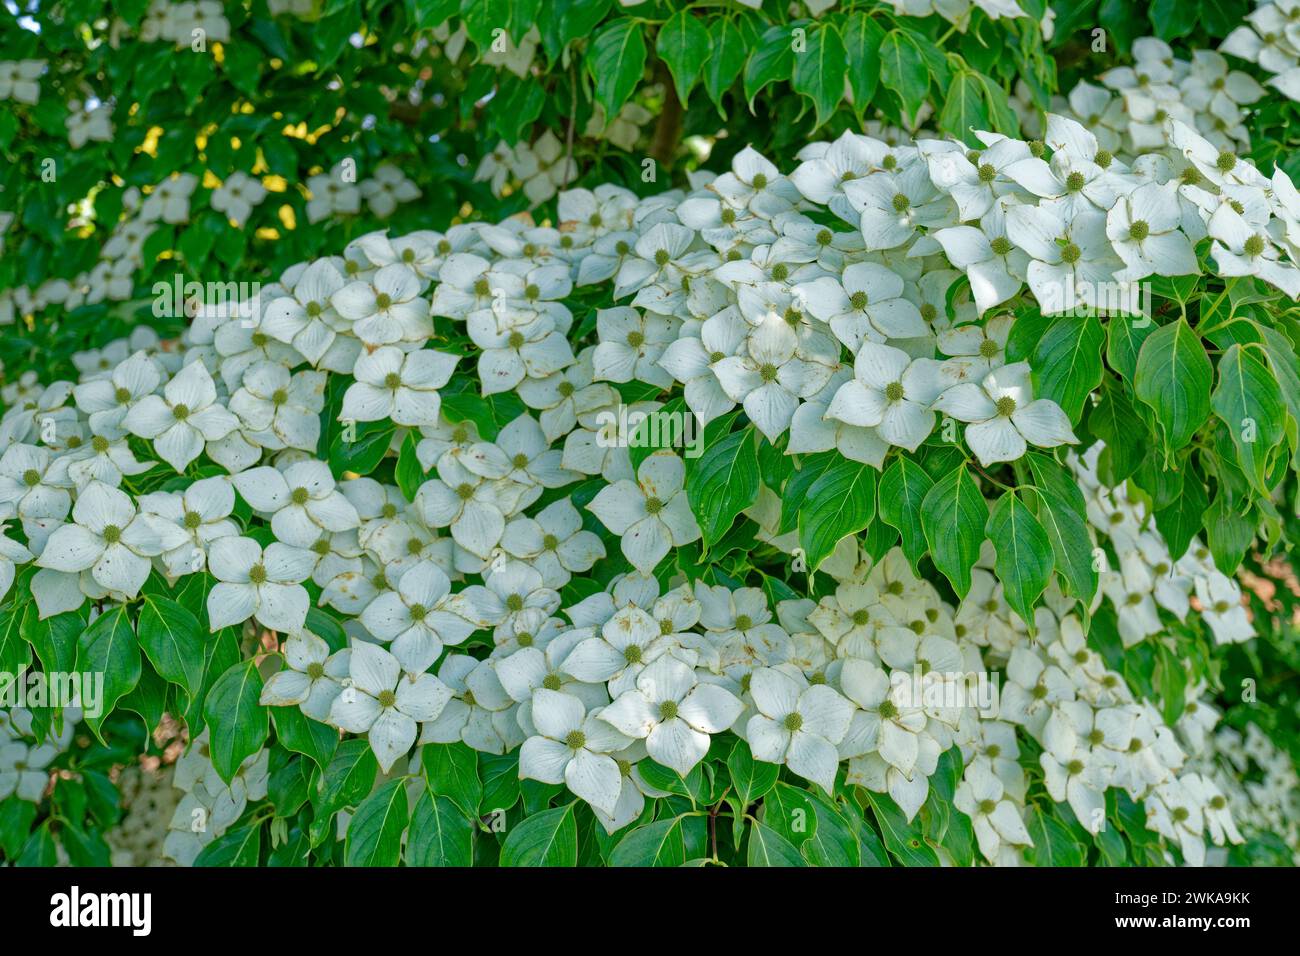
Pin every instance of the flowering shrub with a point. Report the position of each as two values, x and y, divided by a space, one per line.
917 494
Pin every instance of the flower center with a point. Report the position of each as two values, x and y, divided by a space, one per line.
550 542
1000 245
1103 158
321 547
887 710
180 412
1075 181
894 391
1071 254
515 603
524 639
635 339
193 519
861 616
744 622
793 722
387 699
988 349
901 202
662 257
279 396
31 477
653 506
1074 767
315 670
632 654
100 444
299 496
418 612
760 181
1006 406
1226 162
516 340
1139 230
780 272
858 300
987 173
552 682
575 739
257 573
987 806
1254 245
122 395
383 300
112 534
464 491
668 710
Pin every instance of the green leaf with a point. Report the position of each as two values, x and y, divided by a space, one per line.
1181 521
1248 401
239 724
661 843
833 842
954 515
241 846
441 834
842 501
819 70
683 44
375 830
299 733
903 487
1124 338
1061 512
1024 554
549 838
1067 362
862 41
616 59
347 780
452 772
1054 844
769 848
15 653
408 474
771 61
1173 379
723 482
109 647
903 70
173 640
964 110
752 779
727 52
903 839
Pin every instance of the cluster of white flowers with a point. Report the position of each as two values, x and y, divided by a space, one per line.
1259 781
209 805
25 755
20 80
183 23
1271 37
748 289
541 167
1148 579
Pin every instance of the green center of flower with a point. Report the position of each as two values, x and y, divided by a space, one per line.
665 626
575 740
793 722
321 547
464 491
1036 148
858 300
1139 230
299 496
1181 814
100 444
524 639
767 372
516 340
653 506
993 751
315 670
760 181
894 391
279 396
622 248
861 616
1225 162
1071 254
383 300
552 682
1095 737
1000 245
662 257
180 412
31 477
392 381
744 622
1075 181
532 293
928 312
122 395
389 510
482 287
112 534
257 573
728 216
1221 607
313 309
193 519
632 654
890 161
901 202
780 272
1074 767
387 699
988 349
259 340
1254 245
987 173
418 612
1103 158
636 339
825 237
987 806
515 603
1006 406
888 710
